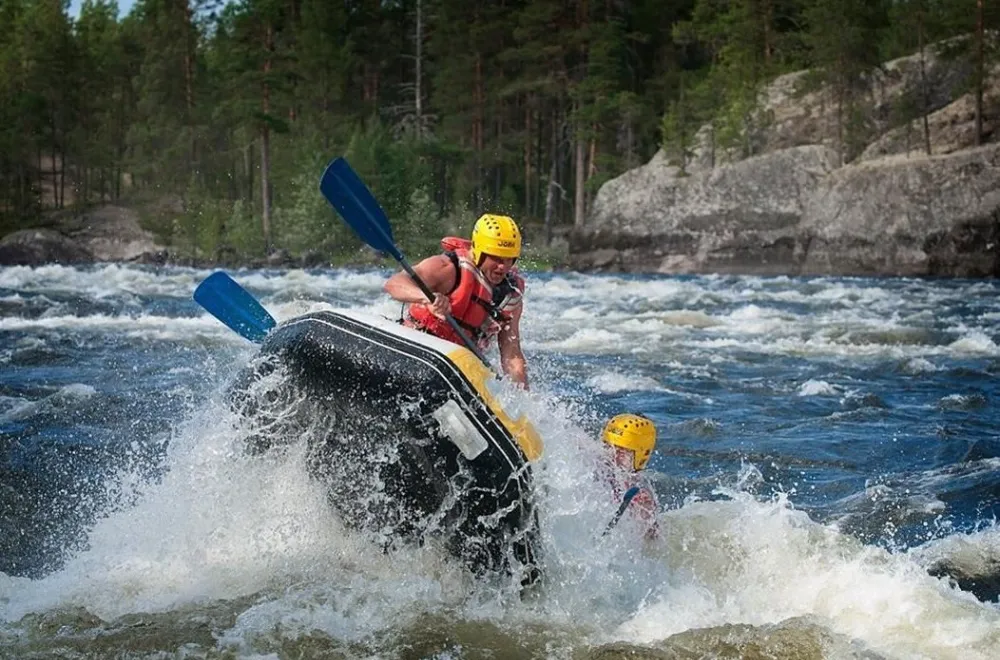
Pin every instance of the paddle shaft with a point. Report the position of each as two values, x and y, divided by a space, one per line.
629 494
451 319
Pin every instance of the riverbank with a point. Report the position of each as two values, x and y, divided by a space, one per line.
122 233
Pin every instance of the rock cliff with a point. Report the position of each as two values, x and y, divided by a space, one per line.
795 209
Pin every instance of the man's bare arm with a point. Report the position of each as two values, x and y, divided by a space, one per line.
437 272
511 357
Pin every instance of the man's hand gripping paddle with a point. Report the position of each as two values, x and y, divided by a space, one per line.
347 193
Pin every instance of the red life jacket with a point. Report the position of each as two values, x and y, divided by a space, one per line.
481 310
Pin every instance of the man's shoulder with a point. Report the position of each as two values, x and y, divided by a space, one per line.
438 261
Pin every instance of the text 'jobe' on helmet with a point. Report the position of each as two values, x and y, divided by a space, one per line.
497 236
634 432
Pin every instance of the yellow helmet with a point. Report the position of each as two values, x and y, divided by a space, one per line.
497 236
633 432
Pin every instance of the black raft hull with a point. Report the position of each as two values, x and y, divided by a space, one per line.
403 432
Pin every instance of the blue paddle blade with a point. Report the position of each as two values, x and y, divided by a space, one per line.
227 301
354 202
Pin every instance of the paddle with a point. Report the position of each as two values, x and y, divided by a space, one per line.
629 494
227 301
347 193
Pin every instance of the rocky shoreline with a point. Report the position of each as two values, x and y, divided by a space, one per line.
796 209
794 212
112 233
106 233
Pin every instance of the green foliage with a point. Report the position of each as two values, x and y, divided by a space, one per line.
305 222
242 236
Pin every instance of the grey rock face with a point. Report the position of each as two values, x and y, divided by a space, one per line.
739 218
797 209
107 233
925 216
794 212
112 233
34 247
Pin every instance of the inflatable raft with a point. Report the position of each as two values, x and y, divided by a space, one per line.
401 428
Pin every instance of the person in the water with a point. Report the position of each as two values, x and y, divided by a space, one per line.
631 439
477 283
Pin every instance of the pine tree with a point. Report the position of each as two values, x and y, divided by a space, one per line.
50 56
843 42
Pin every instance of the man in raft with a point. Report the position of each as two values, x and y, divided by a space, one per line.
631 439
476 282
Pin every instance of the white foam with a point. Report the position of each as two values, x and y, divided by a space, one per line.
816 388
216 526
747 562
588 339
975 342
67 395
609 382
918 365
220 525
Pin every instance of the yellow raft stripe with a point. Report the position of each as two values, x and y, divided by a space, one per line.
523 431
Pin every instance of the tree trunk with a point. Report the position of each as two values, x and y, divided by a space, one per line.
592 159
62 180
41 176
265 186
55 173
550 196
591 169
265 146
924 87
248 171
580 180
189 81
766 19
539 139
498 168
527 158
980 70
579 192
417 90
478 99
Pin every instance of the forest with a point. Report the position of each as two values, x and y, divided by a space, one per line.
215 119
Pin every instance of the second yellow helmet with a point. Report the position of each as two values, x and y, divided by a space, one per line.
495 235
634 432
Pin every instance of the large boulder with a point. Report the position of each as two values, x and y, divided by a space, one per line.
950 129
106 233
908 216
739 218
795 212
113 233
34 247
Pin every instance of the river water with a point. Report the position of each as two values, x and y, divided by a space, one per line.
826 446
